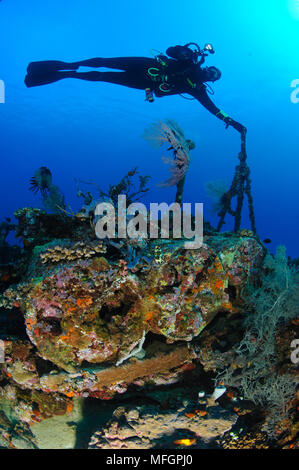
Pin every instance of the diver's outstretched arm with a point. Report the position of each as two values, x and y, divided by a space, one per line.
203 98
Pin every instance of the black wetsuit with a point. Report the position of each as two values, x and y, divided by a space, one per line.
163 76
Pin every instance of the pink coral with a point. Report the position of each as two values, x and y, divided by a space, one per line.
169 131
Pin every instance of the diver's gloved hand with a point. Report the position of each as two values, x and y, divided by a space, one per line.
236 125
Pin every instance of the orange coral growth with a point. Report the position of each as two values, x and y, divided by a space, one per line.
69 309
68 335
218 266
84 302
185 442
219 284
190 415
227 305
69 407
149 316
188 366
30 322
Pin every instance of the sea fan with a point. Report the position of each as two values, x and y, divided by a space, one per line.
171 133
52 198
216 191
41 181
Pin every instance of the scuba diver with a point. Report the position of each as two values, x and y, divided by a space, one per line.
178 72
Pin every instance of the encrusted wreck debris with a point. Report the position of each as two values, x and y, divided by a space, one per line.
84 320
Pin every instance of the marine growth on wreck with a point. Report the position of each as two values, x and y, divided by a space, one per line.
109 326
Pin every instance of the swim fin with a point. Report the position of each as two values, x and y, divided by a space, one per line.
46 66
34 79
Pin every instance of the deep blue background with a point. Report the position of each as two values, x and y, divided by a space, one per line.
93 131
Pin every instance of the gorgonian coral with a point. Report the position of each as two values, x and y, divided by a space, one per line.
169 131
52 197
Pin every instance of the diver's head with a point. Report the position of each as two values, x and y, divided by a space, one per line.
211 74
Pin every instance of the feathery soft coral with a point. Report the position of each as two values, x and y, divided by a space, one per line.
169 131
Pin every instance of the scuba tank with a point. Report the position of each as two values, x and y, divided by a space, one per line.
187 54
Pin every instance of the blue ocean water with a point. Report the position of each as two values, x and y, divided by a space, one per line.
93 131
